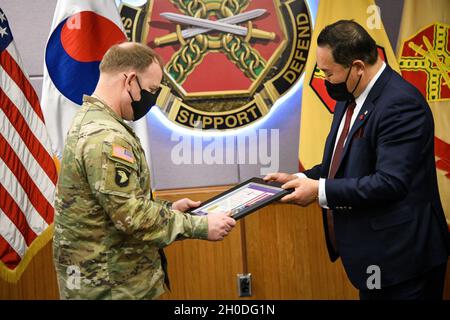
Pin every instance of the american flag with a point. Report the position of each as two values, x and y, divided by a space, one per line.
27 171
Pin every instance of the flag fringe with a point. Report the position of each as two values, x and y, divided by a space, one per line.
13 276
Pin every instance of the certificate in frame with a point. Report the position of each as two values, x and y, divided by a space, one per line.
243 199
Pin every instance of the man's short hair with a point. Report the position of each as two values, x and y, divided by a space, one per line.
129 55
348 41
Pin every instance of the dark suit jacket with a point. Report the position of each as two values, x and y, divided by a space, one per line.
385 198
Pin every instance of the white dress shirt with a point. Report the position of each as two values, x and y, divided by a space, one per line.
359 103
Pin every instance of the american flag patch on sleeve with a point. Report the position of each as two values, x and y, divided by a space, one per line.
122 153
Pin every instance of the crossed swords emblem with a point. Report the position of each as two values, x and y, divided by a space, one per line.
430 54
432 59
226 26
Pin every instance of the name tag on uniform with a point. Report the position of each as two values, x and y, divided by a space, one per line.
122 153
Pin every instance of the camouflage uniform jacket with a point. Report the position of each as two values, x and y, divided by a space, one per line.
108 228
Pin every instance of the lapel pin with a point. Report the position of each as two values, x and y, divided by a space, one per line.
361 117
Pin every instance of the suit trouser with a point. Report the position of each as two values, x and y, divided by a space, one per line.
428 286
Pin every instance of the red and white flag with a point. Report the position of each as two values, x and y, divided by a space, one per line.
27 171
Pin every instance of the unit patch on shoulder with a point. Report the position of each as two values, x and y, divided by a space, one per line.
122 177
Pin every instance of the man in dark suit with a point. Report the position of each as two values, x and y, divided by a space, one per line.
377 181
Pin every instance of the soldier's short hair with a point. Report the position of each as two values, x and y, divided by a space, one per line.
129 55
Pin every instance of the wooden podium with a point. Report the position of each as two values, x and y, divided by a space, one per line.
281 246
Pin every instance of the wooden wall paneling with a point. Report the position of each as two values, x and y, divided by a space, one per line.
203 269
332 281
37 282
288 258
282 246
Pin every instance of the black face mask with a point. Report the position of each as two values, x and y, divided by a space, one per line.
338 91
142 107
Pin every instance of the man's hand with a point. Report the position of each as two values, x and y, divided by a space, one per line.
280 177
219 225
306 191
185 204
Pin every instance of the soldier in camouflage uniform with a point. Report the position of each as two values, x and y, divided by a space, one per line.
109 231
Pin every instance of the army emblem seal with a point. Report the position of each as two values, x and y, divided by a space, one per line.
226 61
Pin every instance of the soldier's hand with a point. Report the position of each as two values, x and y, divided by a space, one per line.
185 204
219 225
280 177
